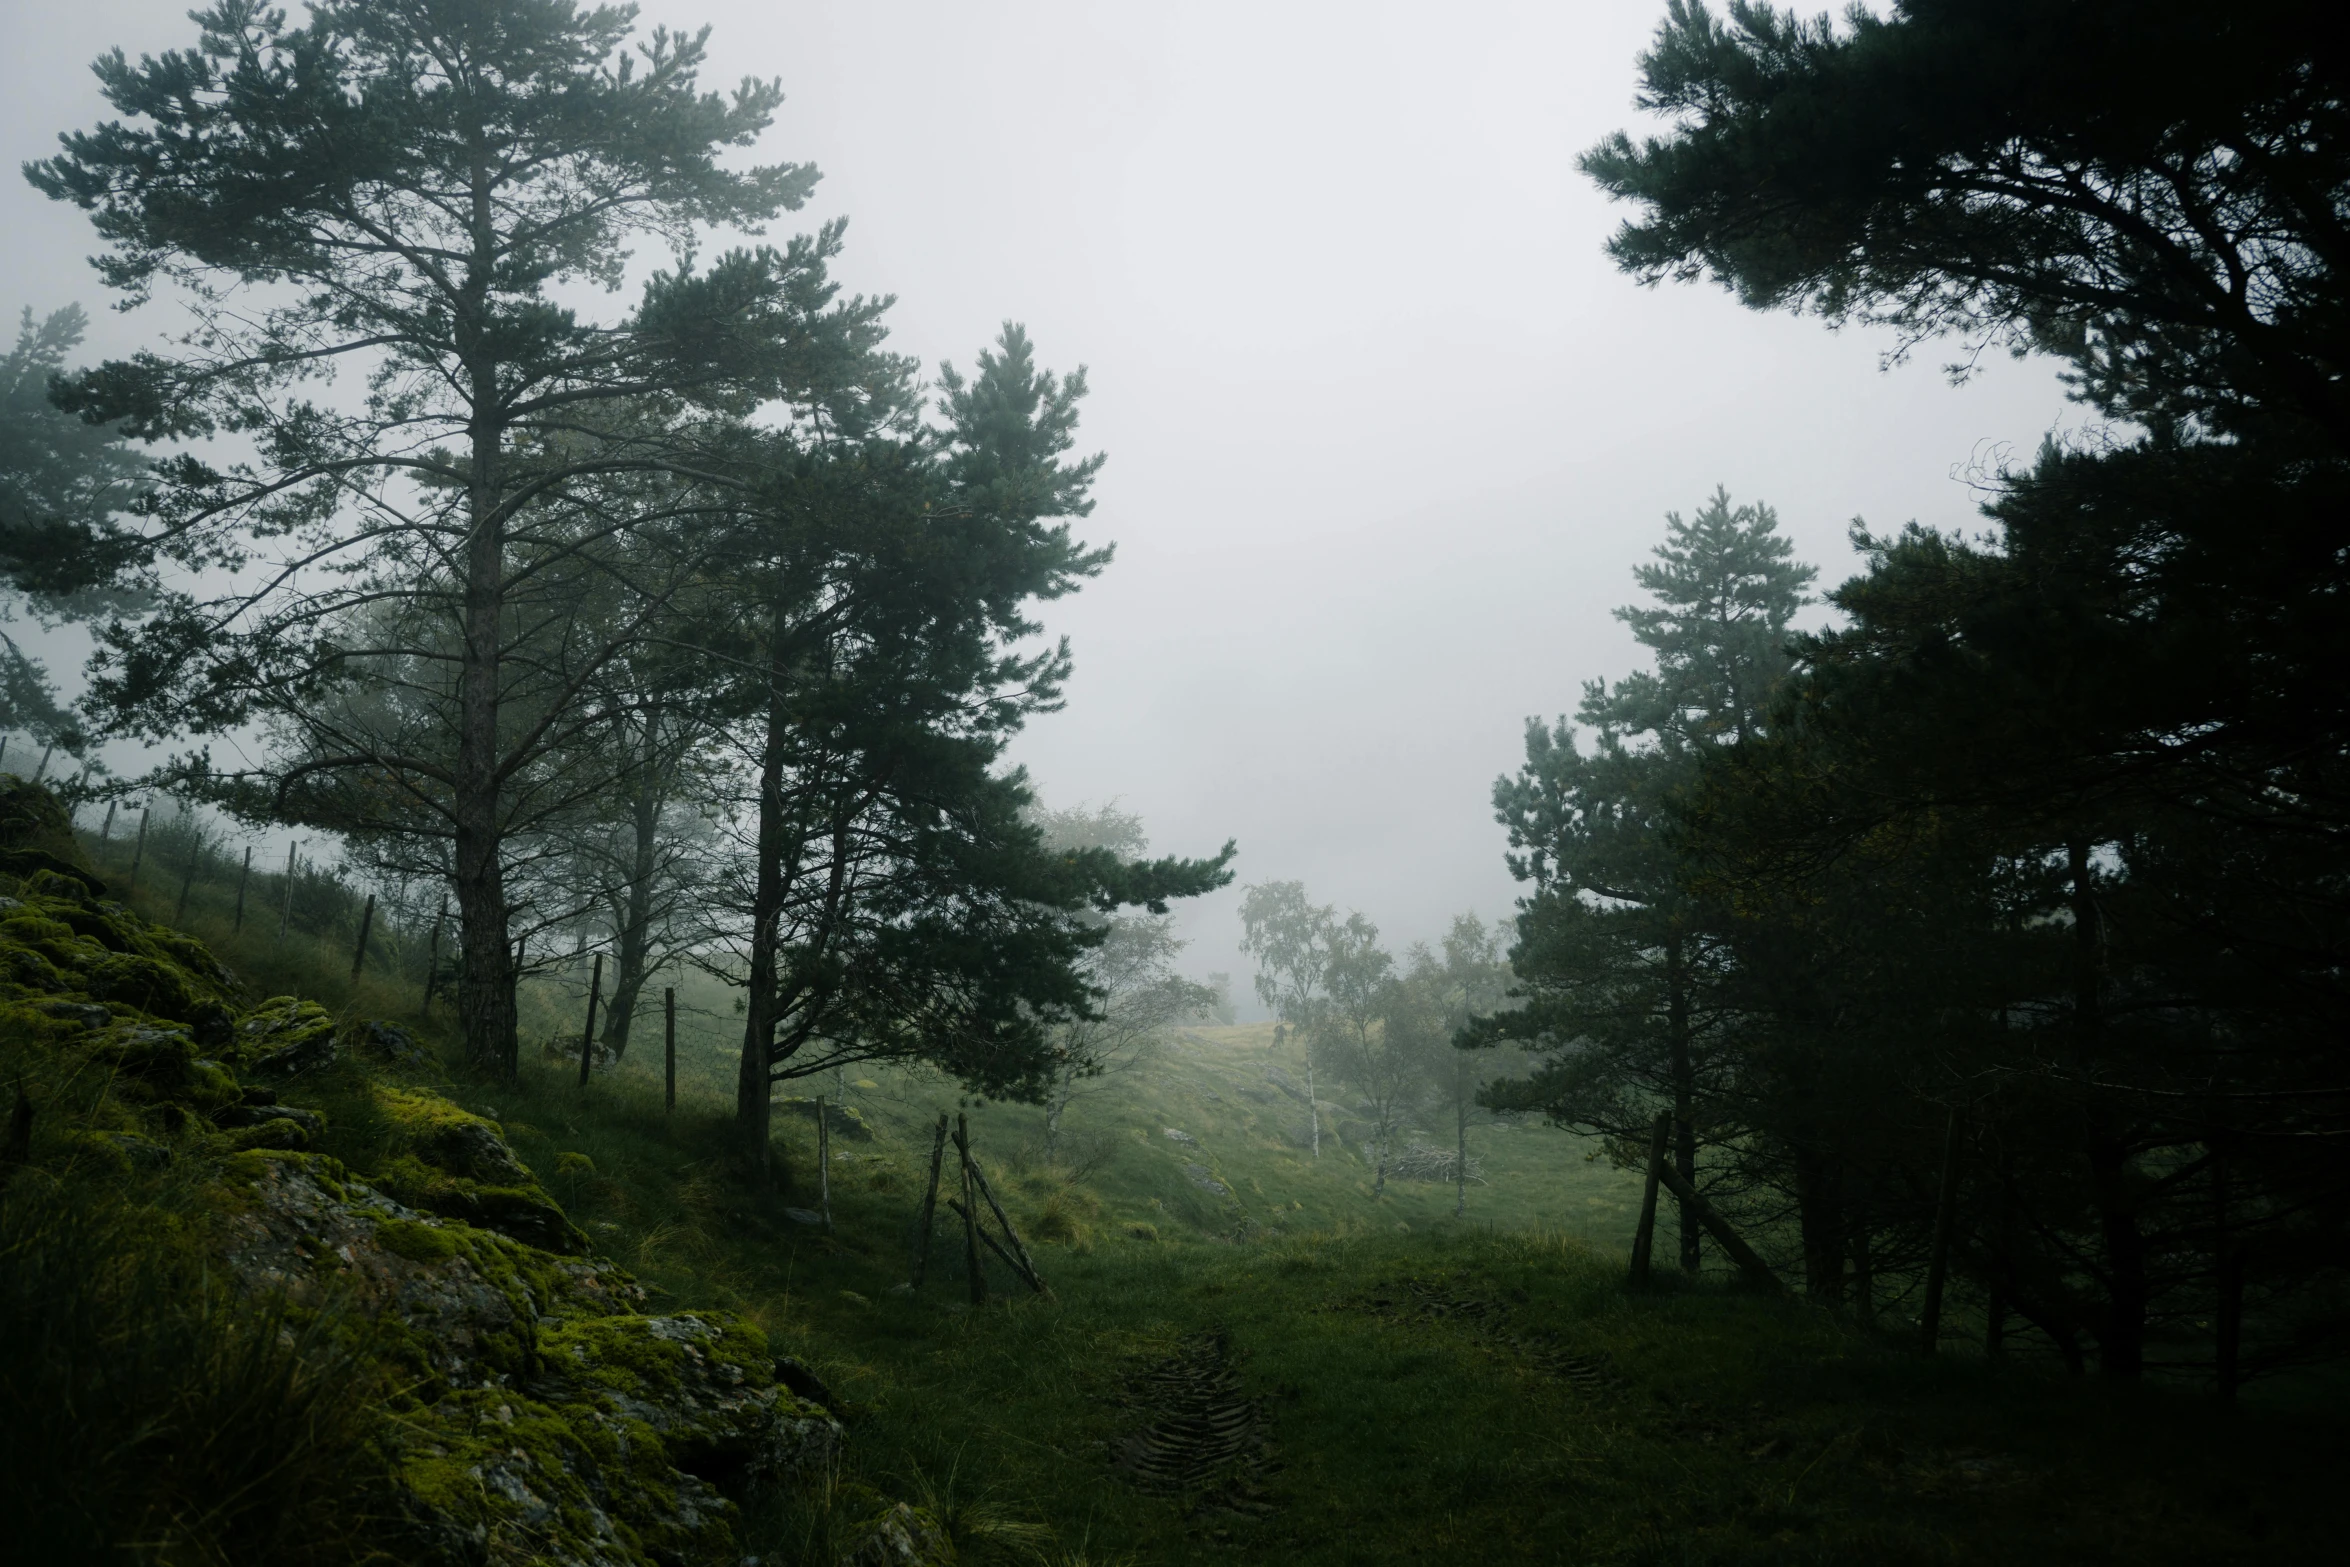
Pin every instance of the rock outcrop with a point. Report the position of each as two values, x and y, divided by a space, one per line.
528 1407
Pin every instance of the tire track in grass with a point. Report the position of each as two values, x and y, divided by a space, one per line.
1201 1435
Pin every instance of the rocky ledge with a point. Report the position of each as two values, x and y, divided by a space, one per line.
531 1411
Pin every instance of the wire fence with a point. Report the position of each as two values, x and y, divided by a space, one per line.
180 866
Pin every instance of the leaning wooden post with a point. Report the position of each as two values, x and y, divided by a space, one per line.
359 953
105 828
1020 1261
669 1040
1644 1238
139 850
432 958
823 1165
1010 1262
978 1270
587 1040
938 1148
1749 1260
243 876
1945 1221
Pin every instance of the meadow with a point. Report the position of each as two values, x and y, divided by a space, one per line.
1245 1355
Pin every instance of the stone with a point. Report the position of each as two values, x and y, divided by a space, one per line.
1205 1179
284 1036
231 1118
901 1535
383 1042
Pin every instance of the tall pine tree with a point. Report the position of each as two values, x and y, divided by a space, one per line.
1614 958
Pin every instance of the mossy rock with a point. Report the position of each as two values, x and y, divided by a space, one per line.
705 1381
284 1035
550 1420
896 1534
452 1162
523 1212
529 1409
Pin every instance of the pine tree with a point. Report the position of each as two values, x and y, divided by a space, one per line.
66 488
403 189
1616 960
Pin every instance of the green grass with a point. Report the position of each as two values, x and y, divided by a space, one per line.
1406 1365
1724 1428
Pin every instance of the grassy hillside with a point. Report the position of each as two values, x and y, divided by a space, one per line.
1285 1370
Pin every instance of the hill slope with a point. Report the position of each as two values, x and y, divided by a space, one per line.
1282 1370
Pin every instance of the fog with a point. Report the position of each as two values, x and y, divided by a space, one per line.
1387 432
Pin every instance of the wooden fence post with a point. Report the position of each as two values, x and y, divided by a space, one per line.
978 1271
285 916
587 1040
823 1165
1945 1220
139 850
432 958
938 1148
669 1039
1644 1238
243 876
366 923
105 828
187 881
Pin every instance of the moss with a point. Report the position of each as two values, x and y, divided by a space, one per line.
284 1030
449 1161
649 1357
416 1242
276 1132
522 1406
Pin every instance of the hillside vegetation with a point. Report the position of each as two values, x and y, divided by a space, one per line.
1284 1370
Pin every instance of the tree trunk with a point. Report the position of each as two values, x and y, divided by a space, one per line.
2121 1334
1684 1095
485 983
1460 1153
1819 1210
636 920
1313 1102
2228 1279
753 1091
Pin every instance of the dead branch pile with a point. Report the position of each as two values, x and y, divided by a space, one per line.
1420 1162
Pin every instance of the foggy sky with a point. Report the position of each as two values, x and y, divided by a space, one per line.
1386 431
